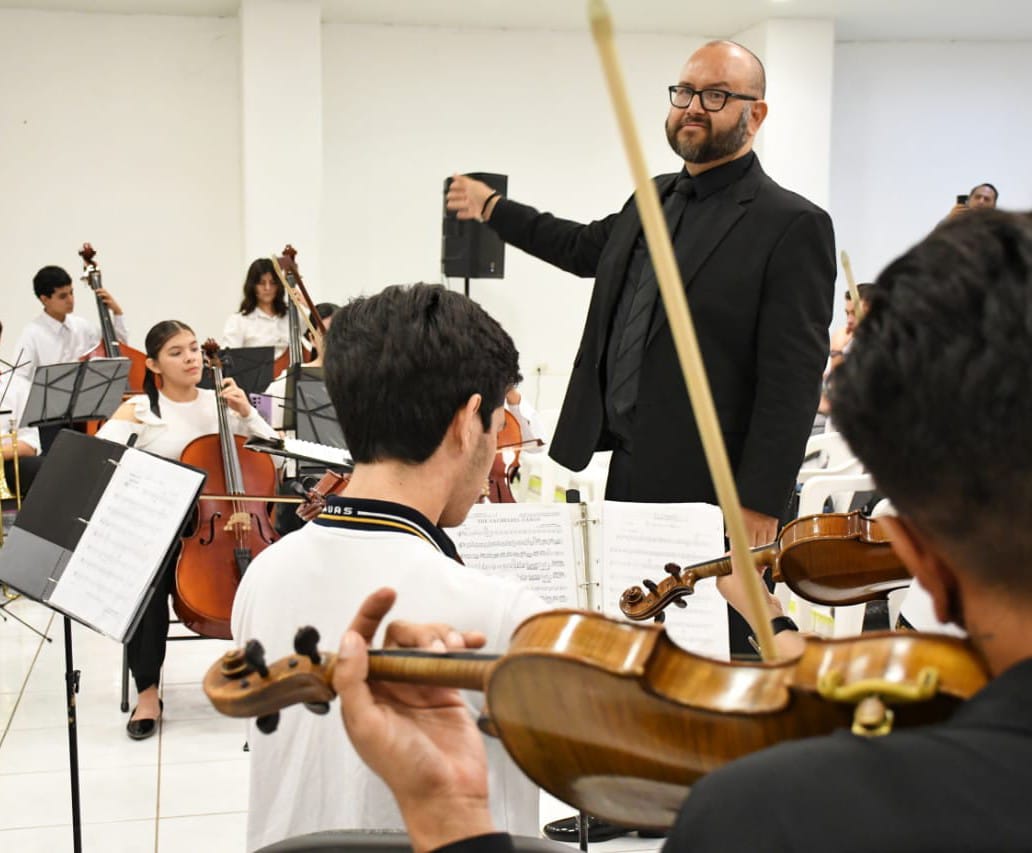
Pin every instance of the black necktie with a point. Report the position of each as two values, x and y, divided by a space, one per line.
623 389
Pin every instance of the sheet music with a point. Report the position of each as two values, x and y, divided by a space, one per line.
639 539
125 541
531 543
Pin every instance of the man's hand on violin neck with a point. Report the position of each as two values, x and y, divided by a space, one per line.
420 740
762 529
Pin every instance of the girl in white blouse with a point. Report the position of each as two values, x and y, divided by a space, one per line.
164 422
262 318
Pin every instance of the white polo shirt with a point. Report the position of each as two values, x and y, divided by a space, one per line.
306 776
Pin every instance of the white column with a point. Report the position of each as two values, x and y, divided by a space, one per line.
282 151
795 142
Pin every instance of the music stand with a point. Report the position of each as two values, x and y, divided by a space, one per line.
308 410
91 541
250 367
79 391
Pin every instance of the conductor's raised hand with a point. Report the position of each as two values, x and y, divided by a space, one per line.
467 198
421 741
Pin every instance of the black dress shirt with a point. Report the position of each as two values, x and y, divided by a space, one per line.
703 189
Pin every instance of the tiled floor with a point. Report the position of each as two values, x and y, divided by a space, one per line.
182 790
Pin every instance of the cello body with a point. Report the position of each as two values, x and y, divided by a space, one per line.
212 559
228 533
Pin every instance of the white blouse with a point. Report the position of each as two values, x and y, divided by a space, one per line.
179 424
257 329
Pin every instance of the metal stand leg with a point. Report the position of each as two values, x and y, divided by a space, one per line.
71 688
4 613
582 830
125 681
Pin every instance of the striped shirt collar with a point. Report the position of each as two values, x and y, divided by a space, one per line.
373 516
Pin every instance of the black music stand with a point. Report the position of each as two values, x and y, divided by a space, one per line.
308 410
250 367
105 582
62 394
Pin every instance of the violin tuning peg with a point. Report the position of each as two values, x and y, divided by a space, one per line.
254 654
650 586
673 570
680 602
268 724
306 642
660 617
319 708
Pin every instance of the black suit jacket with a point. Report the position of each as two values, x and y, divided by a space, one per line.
760 284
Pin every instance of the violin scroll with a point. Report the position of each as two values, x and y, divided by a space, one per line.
88 253
241 684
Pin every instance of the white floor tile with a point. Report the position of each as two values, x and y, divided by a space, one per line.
209 787
44 799
187 702
99 747
132 836
213 738
215 833
186 662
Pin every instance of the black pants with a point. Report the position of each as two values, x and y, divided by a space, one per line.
146 648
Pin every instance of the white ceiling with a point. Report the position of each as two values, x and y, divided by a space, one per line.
856 20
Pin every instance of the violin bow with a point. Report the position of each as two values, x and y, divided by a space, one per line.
854 291
671 289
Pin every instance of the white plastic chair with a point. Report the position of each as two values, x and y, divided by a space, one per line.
833 457
829 621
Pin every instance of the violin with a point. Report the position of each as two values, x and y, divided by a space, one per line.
619 722
110 346
832 558
299 304
216 555
331 483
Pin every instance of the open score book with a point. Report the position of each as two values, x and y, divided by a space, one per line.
586 554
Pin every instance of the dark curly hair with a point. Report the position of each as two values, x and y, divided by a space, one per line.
934 394
400 364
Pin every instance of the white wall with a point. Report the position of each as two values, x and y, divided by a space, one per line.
126 131
407 107
916 124
123 131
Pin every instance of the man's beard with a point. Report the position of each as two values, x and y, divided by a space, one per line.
715 146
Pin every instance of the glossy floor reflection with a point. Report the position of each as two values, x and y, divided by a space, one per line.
182 791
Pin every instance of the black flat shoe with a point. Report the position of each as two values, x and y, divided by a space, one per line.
142 729
598 830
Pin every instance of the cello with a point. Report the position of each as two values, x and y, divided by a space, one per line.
110 346
299 304
215 556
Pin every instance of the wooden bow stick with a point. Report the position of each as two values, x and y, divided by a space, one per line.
671 288
303 310
854 291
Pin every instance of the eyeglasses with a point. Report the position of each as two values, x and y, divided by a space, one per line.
712 100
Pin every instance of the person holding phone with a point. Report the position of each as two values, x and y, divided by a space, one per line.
981 197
